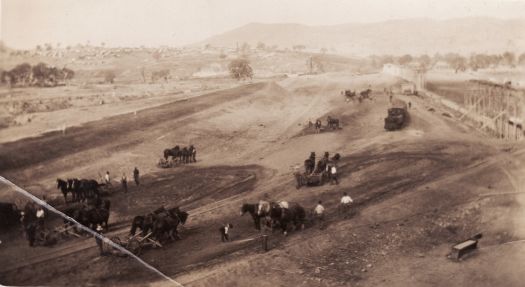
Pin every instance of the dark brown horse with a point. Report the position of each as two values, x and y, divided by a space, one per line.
63 186
253 208
283 217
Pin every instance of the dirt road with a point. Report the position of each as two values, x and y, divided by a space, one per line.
416 191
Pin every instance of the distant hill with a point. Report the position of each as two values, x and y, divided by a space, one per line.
413 36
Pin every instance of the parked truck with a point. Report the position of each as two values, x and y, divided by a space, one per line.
397 116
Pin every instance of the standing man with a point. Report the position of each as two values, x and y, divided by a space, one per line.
225 236
124 182
333 175
319 213
107 179
346 201
40 216
136 176
193 153
99 241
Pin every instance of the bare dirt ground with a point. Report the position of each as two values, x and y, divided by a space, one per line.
416 191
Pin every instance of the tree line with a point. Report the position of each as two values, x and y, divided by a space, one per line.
40 75
456 61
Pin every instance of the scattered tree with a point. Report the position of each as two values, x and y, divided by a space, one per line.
521 59
298 47
109 76
161 74
261 46
509 58
240 69
143 73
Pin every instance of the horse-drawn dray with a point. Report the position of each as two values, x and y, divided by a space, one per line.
167 163
136 243
312 179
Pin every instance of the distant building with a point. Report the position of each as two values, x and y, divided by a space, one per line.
441 65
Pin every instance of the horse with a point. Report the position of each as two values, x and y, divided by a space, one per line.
309 166
333 123
76 190
173 152
143 222
253 209
167 225
63 186
89 188
364 94
95 216
318 125
71 189
185 155
193 153
282 217
349 94
321 165
9 214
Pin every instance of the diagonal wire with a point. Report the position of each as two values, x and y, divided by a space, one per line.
88 230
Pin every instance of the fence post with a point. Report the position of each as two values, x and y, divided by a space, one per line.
265 242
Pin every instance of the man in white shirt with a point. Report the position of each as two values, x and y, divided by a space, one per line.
333 175
106 177
319 213
225 235
346 201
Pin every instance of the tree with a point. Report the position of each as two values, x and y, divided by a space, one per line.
521 59
245 49
20 74
509 58
68 74
41 72
109 76
425 60
143 73
298 47
456 61
161 74
324 50
156 55
261 46
240 69
405 59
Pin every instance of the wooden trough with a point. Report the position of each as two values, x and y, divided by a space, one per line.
466 247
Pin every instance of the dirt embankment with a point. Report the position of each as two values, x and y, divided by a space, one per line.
416 191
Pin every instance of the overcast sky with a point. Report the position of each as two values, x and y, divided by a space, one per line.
26 23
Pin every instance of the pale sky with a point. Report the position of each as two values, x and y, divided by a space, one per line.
27 23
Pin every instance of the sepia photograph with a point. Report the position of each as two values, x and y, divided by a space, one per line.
262 143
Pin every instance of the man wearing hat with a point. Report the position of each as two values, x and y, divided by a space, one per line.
99 241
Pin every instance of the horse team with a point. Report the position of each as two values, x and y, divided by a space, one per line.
331 123
161 223
276 215
182 155
80 189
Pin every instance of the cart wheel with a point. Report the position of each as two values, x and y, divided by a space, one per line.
116 240
134 246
